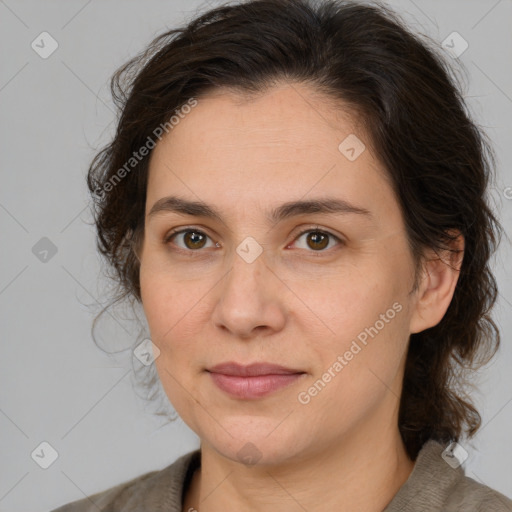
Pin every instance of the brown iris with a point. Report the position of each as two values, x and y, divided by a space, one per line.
194 240
319 239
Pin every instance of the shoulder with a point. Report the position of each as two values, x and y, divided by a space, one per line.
437 485
469 495
145 492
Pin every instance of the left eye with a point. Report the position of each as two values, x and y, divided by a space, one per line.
317 240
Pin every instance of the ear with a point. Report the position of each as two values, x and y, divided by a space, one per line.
437 284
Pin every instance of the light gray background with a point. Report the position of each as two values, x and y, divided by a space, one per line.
56 385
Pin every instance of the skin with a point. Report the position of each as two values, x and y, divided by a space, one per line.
296 304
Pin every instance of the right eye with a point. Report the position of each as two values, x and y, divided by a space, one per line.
192 239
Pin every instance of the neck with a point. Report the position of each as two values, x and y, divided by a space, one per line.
363 472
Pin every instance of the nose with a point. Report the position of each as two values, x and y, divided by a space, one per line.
250 299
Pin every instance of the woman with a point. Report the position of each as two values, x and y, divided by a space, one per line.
296 196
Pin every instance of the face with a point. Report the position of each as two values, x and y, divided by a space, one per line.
325 292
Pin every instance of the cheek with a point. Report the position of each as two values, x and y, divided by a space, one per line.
363 319
155 301
361 365
176 310
351 300
168 312
164 296
162 309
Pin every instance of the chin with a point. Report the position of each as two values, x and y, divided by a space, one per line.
268 446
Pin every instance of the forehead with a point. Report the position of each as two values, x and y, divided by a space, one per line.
287 116
280 145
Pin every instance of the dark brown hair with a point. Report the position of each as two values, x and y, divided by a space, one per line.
439 162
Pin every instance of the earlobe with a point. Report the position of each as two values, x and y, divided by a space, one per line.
437 285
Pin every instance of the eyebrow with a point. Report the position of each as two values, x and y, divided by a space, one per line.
287 210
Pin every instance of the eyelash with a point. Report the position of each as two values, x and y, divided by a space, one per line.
172 234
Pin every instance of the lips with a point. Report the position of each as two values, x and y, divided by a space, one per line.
252 370
253 381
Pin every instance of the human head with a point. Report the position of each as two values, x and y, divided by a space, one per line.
436 159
